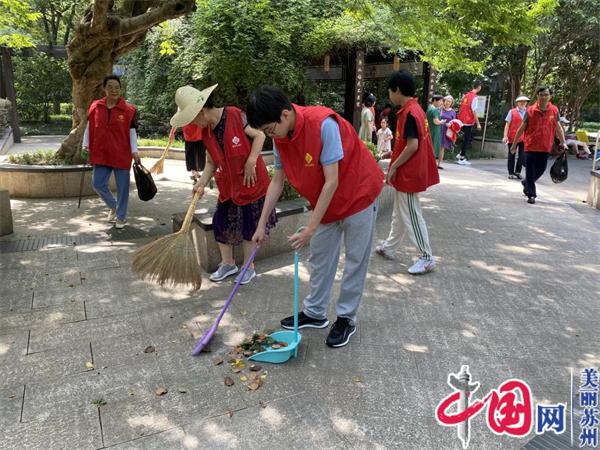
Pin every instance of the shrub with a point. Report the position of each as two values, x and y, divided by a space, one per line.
39 157
288 193
373 149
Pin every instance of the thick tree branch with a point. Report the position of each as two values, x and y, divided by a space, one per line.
168 10
100 14
129 44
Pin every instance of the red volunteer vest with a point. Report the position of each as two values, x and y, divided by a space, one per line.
360 180
541 128
230 161
109 140
465 113
192 133
420 171
513 126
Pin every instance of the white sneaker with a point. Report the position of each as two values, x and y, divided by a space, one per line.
248 276
223 271
422 266
381 251
112 216
120 224
466 162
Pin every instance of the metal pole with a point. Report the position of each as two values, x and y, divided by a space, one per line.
487 110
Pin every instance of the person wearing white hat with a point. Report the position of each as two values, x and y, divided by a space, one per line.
233 157
513 120
573 143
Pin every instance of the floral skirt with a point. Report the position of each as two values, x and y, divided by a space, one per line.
233 224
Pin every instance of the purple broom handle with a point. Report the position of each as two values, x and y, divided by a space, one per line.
207 336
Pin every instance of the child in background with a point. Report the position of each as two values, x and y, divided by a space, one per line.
384 140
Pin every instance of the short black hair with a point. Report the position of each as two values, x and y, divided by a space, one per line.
266 105
543 88
111 77
436 97
403 81
369 100
477 83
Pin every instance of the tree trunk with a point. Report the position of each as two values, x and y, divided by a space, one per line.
517 63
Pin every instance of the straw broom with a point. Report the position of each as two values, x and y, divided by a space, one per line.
171 259
159 165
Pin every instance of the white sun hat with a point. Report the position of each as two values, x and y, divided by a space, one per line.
522 98
189 102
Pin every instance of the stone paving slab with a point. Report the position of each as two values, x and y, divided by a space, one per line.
45 366
515 293
78 429
48 338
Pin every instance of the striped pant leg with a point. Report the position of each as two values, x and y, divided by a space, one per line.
397 227
412 216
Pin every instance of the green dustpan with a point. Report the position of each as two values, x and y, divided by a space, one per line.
292 338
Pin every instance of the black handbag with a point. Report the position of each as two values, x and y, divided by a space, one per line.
560 169
144 182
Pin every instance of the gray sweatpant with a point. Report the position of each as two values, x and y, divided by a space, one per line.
357 234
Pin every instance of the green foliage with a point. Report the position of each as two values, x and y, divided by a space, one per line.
152 76
288 193
40 81
160 143
459 35
567 55
52 128
39 157
16 18
246 43
373 149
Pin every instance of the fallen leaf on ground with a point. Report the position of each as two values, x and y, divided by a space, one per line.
262 404
228 381
217 361
254 385
161 391
255 368
182 390
357 379
89 365
231 413
236 370
243 378
149 349
248 353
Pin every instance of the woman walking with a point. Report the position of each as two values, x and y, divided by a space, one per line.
447 115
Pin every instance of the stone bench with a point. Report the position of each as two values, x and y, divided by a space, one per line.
290 215
6 222
593 197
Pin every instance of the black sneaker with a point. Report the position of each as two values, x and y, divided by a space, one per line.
531 200
340 333
304 322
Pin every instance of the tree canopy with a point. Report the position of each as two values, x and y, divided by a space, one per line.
16 18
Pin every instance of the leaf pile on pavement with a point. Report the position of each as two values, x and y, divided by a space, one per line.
255 376
256 343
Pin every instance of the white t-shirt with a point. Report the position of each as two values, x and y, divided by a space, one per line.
384 145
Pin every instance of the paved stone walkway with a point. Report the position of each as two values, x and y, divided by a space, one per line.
515 294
